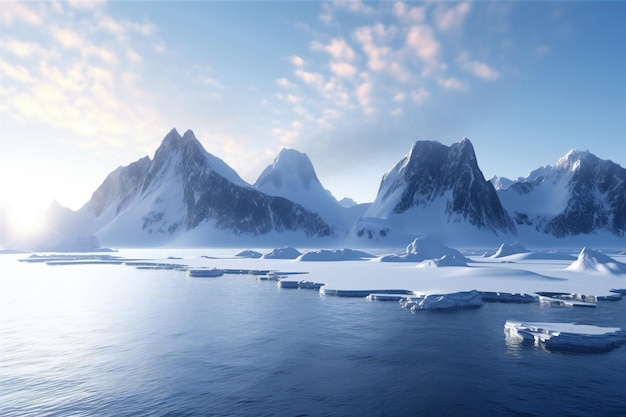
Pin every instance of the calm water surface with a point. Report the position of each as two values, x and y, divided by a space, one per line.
109 340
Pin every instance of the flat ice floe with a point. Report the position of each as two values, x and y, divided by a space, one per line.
566 336
465 299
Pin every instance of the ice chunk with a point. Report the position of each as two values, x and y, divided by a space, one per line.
464 299
286 252
335 255
424 248
566 336
590 260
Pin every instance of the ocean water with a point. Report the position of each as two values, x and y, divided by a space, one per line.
111 340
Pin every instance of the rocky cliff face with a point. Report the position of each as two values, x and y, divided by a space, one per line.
183 187
436 175
581 194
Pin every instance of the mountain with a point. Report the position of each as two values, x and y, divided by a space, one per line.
186 189
292 176
439 191
580 195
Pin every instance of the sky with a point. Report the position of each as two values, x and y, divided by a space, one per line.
87 86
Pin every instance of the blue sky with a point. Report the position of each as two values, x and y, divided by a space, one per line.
88 86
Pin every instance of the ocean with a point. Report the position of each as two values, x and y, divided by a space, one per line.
112 340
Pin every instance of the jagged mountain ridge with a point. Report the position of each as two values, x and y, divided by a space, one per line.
436 191
580 195
185 186
433 174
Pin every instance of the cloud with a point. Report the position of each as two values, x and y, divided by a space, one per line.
67 38
328 117
353 6
337 48
477 68
451 84
343 69
381 57
13 11
421 40
399 97
364 96
451 18
310 78
408 14
15 72
296 60
420 96
21 49
70 76
285 83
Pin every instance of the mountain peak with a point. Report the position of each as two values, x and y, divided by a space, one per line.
290 168
189 135
572 160
433 174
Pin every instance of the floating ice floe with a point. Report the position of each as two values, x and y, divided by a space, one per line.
566 336
464 299
592 261
423 249
302 284
205 272
286 252
335 255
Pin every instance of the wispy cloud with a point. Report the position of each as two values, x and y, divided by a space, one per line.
13 12
409 14
449 18
477 68
67 76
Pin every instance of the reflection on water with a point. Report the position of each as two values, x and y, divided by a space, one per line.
114 340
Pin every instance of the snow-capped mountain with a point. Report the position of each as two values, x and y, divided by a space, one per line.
292 176
580 195
184 189
434 190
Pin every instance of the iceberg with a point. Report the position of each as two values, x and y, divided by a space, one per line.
423 249
566 336
590 260
286 252
335 255
464 299
507 249
249 254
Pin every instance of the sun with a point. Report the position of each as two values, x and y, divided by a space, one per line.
22 221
